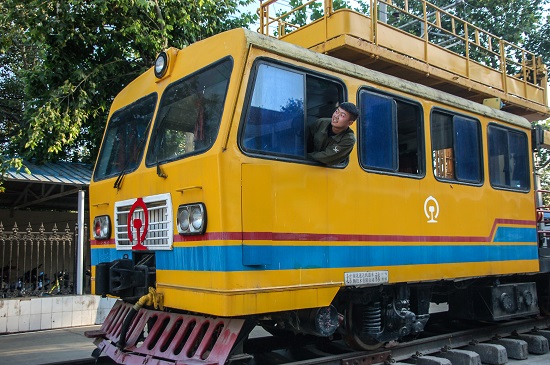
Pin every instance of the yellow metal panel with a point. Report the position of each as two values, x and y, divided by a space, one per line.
345 21
486 75
446 60
341 22
257 198
263 297
535 93
243 304
311 34
393 39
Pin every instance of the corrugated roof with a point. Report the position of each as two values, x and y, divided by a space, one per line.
51 186
66 173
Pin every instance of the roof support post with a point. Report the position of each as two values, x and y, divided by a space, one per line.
80 245
328 8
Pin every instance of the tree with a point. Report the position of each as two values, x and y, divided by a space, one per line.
62 63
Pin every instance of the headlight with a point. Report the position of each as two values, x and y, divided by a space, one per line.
161 65
191 219
196 217
183 220
102 227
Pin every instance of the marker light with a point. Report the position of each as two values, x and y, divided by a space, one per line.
161 65
191 219
102 227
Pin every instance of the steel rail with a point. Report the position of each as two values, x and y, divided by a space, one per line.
426 346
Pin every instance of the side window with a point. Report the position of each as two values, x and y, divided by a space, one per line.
508 158
390 134
283 101
456 147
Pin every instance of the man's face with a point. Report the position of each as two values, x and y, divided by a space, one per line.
341 119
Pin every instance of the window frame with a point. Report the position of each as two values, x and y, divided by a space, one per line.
306 72
481 160
157 123
527 153
420 133
145 137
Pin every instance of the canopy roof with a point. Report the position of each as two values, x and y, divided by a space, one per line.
49 186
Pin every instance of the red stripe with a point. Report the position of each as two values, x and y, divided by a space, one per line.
102 242
323 237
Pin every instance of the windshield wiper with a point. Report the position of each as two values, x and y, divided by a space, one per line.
118 182
160 173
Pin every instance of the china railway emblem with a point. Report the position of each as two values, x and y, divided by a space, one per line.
134 221
431 209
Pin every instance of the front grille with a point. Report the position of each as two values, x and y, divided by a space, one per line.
159 230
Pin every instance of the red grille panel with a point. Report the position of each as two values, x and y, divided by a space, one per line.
162 338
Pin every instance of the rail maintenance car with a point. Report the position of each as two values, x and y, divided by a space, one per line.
209 219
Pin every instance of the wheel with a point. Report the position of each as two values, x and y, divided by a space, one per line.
354 335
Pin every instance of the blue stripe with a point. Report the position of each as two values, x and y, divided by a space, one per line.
515 234
229 258
107 255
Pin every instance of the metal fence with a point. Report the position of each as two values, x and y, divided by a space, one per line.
39 262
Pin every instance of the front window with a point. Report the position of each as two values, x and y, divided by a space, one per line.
189 115
124 140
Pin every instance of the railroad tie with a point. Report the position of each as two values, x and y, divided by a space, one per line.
490 353
515 348
536 344
432 360
461 357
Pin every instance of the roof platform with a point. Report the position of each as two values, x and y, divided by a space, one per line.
420 42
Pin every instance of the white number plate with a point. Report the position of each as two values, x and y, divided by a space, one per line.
366 277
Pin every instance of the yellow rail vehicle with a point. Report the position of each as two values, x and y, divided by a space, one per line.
205 203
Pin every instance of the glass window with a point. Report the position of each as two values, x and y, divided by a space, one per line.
275 121
467 149
189 115
378 131
508 158
456 147
124 140
282 101
390 134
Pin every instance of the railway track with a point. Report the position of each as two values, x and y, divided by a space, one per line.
521 342
459 343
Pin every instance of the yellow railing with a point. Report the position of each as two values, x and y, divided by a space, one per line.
422 20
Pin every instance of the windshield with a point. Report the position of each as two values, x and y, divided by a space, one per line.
124 139
189 114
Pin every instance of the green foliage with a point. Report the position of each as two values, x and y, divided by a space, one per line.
62 62
307 14
542 170
7 163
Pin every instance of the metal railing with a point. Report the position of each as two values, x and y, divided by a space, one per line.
37 262
543 216
421 20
